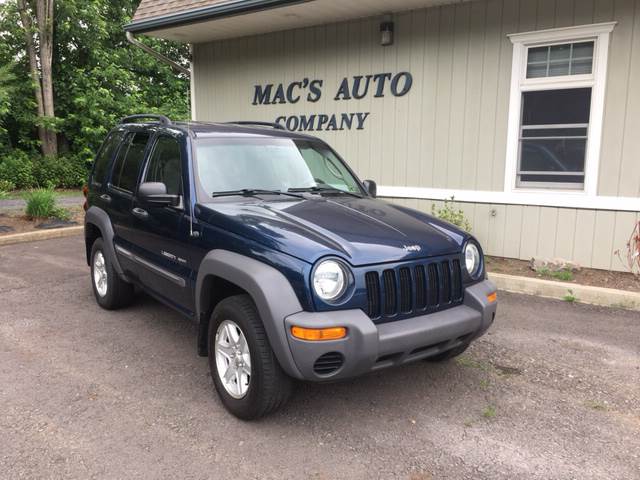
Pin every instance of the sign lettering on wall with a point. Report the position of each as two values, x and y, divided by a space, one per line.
311 91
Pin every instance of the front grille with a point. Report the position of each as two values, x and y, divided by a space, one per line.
427 286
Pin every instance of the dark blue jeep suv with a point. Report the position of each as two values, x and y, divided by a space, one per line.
288 263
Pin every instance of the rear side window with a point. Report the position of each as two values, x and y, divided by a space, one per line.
127 164
103 159
165 165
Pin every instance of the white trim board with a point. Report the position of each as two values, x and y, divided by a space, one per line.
558 200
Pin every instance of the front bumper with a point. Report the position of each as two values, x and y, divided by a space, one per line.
368 347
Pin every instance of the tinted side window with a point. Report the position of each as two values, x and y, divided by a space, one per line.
101 166
165 165
127 164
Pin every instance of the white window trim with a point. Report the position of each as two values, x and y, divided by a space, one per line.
597 81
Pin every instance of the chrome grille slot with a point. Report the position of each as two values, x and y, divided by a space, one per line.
405 290
446 282
456 280
421 288
390 297
373 294
434 286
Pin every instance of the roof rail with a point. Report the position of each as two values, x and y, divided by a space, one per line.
162 120
277 126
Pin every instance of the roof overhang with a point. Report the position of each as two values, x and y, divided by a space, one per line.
241 18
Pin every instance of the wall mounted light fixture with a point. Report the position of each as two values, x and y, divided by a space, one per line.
386 33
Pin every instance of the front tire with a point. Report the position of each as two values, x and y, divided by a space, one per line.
245 371
110 290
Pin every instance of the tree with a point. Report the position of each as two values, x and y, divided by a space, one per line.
7 78
40 55
98 77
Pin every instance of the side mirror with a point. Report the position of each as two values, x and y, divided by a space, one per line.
155 194
371 187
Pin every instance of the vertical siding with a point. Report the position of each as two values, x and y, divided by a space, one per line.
450 131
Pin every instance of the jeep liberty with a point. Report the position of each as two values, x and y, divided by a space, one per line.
286 261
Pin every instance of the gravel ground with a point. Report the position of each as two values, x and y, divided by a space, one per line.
553 392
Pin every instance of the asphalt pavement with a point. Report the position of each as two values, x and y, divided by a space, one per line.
552 392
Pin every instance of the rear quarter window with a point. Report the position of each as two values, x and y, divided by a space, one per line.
103 159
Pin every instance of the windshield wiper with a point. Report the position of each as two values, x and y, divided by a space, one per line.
252 192
323 189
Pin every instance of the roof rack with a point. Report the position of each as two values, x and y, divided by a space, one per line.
162 120
277 126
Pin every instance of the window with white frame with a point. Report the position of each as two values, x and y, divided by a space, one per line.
556 110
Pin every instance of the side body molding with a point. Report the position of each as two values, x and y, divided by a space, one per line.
99 218
269 289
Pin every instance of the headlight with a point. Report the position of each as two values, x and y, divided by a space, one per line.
329 280
472 259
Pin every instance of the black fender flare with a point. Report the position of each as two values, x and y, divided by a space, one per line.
99 218
269 289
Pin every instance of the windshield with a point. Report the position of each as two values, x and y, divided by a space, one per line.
279 164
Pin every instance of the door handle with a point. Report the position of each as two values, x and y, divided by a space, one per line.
140 213
106 198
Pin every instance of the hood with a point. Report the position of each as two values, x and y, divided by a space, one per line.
360 230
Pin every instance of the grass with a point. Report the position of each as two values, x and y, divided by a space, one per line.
596 405
41 203
562 275
489 412
466 361
569 297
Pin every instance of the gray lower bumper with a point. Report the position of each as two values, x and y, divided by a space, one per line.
369 347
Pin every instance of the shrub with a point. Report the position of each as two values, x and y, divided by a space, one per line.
68 171
41 203
5 188
23 171
449 214
17 168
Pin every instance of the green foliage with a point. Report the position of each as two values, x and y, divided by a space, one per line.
6 186
24 171
7 79
17 168
569 297
562 275
41 203
452 215
98 78
61 172
489 412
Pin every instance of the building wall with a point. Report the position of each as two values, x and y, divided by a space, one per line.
450 131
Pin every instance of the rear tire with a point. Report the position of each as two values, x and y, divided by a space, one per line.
237 339
449 354
110 290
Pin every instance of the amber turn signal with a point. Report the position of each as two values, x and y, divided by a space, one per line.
492 297
319 334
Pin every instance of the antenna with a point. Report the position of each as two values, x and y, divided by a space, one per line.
192 233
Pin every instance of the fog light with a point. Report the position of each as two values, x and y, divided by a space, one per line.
319 334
